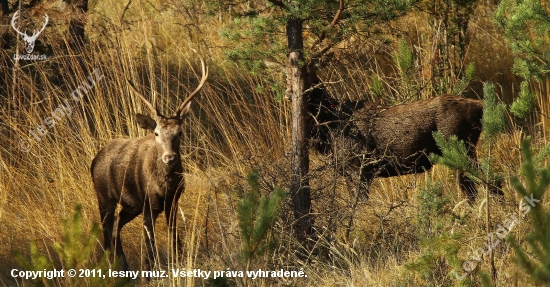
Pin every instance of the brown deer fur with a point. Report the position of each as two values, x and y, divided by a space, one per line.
371 141
142 176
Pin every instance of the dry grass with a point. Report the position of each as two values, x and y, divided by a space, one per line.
235 127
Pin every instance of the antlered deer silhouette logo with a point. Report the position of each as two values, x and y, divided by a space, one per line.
29 40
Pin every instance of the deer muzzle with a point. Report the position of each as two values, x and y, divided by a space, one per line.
169 157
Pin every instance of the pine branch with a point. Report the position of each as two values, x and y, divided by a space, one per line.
335 20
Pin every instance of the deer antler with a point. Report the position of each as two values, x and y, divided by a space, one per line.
145 101
29 40
182 109
24 34
16 28
35 34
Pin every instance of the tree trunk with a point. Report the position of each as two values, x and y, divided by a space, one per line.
6 34
299 186
76 29
5 7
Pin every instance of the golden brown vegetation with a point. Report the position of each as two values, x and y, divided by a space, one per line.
237 126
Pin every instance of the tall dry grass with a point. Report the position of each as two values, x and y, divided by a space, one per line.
232 125
235 126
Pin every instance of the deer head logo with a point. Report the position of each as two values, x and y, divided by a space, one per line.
29 40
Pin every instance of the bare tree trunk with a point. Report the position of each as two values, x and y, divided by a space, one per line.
76 29
5 7
299 186
6 34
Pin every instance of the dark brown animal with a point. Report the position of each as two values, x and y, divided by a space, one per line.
142 175
371 141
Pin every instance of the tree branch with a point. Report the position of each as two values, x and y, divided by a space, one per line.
338 15
278 3
323 51
124 12
335 20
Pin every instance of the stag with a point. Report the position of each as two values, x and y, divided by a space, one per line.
142 175
370 141
29 40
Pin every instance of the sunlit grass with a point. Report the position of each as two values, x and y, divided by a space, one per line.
236 125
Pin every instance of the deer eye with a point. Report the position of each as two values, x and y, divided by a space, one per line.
156 134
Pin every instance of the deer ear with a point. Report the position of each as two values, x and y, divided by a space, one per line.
185 110
146 122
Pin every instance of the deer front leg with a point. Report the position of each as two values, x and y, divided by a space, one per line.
120 220
171 213
467 186
107 221
149 218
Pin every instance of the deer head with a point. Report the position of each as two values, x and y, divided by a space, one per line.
29 40
167 130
